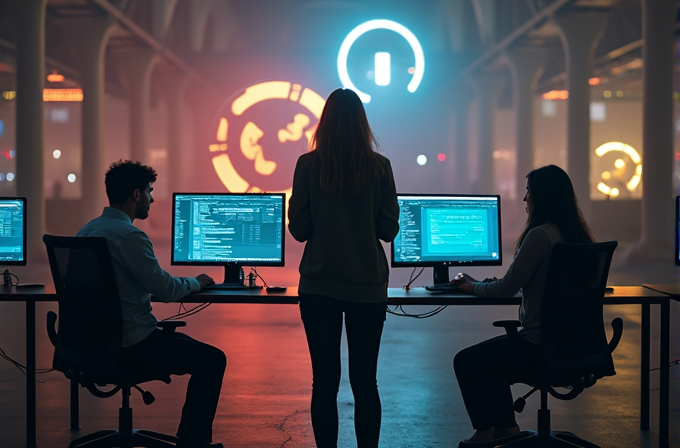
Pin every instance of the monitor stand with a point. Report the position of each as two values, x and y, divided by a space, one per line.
233 274
440 275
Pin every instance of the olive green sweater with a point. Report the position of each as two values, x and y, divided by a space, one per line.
343 257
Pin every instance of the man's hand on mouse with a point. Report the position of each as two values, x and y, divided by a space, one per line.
204 280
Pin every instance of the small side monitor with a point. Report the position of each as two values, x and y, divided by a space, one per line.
12 231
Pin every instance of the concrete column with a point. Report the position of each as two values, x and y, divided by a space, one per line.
30 75
487 86
658 27
203 106
580 32
526 66
173 88
459 180
136 67
88 38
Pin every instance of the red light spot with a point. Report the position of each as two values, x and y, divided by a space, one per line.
441 157
8 154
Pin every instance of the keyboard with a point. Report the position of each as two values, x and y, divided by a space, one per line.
443 287
228 287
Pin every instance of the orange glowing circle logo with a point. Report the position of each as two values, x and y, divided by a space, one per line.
259 134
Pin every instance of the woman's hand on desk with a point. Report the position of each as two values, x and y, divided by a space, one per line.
465 283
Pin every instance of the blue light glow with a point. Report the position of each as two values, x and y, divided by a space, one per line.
374 25
382 68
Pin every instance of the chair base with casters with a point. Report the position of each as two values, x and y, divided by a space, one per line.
125 436
544 437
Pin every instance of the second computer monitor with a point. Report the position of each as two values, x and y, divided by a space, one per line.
438 231
12 231
228 229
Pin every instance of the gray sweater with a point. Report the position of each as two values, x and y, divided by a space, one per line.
343 257
528 272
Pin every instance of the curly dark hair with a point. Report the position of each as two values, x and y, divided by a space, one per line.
124 177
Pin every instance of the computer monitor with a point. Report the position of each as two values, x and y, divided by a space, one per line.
13 231
228 229
677 230
439 230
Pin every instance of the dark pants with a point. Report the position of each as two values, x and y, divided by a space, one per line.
322 318
205 364
482 371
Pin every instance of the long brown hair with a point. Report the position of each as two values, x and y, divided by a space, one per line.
344 146
554 201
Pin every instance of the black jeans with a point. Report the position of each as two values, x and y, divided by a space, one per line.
322 318
482 371
205 364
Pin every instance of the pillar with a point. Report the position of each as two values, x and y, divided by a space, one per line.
580 32
88 38
136 67
459 181
30 75
488 87
526 66
179 164
658 27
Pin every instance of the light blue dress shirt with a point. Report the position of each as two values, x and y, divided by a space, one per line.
138 273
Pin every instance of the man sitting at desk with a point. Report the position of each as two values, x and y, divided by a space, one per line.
138 274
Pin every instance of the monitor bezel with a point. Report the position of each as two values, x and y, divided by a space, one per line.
24 230
436 264
281 263
677 230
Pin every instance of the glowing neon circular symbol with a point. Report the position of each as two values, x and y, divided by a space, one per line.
270 123
376 25
620 168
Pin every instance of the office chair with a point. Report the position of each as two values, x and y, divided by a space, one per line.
88 338
575 345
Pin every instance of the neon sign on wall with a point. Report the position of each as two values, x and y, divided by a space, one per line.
259 134
621 172
382 59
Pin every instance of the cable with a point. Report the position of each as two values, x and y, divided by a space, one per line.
187 313
254 269
7 278
21 367
412 279
670 365
399 311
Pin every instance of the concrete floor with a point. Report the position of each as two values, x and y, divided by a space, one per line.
265 398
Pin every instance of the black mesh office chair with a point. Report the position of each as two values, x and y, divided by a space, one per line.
88 338
575 345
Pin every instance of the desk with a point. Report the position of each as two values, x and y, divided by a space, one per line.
622 295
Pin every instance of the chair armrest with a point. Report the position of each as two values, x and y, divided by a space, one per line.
171 325
511 326
617 326
508 324
51 327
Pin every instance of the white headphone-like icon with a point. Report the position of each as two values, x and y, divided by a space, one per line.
374 25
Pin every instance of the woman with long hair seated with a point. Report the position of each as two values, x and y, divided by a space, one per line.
553 217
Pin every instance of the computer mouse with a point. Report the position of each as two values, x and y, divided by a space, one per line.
276 288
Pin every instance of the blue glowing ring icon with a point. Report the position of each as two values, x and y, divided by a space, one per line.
374 25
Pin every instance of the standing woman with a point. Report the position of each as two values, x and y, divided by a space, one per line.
553 217
344 201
